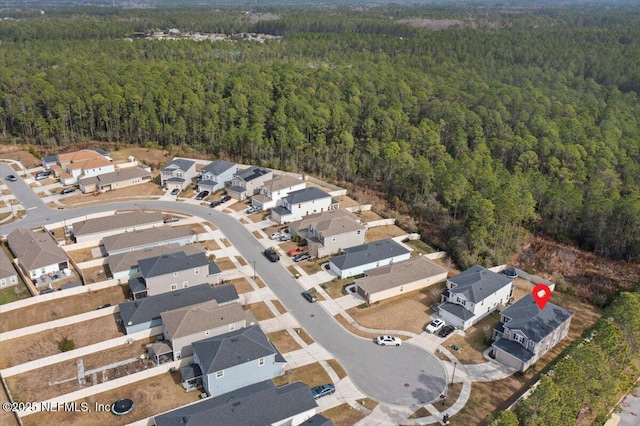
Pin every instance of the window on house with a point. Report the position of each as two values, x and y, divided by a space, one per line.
333 239
401 288
174 286
3 282
219 374
175 274
261 362
232 327
185 284
519 338
358 232
196 271
208 332
13 280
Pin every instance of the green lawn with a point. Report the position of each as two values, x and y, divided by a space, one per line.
13 293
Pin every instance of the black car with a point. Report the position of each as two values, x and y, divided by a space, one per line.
67 191
202 195
446 330
271 255
106 305
215 203
225 198
310 296
11 178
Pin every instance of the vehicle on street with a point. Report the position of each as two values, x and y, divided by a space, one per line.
171 219
310 296
300 257
67 191
276 235
202 195
434 326
323 390
175 191
271 255
215 203
298 250
388 341
11 178
446 330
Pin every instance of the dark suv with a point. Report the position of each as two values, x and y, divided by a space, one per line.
271 255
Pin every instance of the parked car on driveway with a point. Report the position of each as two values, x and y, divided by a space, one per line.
43 175
446 330
323 390
285 237
298 250
225 198
434 326
202 195
215 203
175 191
11 178
67 191
253 209
276 235
310 296
302 256
388 341
271 255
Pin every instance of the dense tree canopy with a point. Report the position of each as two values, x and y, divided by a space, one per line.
502 121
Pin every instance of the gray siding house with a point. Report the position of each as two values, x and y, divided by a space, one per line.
525 332
101 227
147 238
143 314
236 359
170 272
125 265
329 232
178 174
8 274
215 174
273 190
37 252
259 404
301 203
358 259
247 182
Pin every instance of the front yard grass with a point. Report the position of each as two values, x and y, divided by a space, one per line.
475 341
261 311
344 415
225 264
335 287
311 266
347 326
241 285
283 341
312 374
335 365
210 245
279 306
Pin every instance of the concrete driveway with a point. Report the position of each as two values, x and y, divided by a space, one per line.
403 376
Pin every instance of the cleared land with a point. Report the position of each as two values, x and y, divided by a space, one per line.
383 232
25 157
137 191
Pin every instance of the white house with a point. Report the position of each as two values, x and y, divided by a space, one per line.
472 295
214 175
358 259
303 202
177 174
247 182
273 190
37 252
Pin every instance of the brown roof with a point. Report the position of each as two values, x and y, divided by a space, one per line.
396 274
332 222
119 175
83 154
281 182
145 236
129 260
6 267
117 221
201 317
35 249
90 163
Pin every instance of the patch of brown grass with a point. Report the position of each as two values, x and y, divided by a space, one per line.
476 340
144 189
211 245
225 264
226 242
368 216
197 228
259 281
383 232
343 415
27 159
335 365
82 255
239 205
283 341
346 201
311 374
304 336
335 286
257 234
311 266
344 323
94 275
150 156
261 311
241 261
279 306
241 285
368 403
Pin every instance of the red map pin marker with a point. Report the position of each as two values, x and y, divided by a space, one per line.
541 294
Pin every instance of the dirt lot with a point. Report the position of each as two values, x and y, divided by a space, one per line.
150 156
61 308
368 216
38 385
410 312
346 201
136 191
25 157
343 415
382 232
312 374
283 341
151 396
40 345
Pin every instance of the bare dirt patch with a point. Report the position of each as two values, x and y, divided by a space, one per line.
432 24
82 255
383 232
40 345
131 192
343 415
149 156
312 374
25 157
283 341
61 308
261 311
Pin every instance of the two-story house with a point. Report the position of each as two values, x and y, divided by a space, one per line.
182 327
178 173
72 166
8 274
273 190
472 295
214 175
125 265
526 332
301 203
169 272
356 260
329 232
141 239
37 252
236 359
246 183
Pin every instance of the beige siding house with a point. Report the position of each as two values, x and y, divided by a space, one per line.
101 227
178 174
399 278
247 183
329 232
37 252
147 238
125 265
276 189
122 177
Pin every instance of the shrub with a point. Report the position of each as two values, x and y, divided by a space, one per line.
66 344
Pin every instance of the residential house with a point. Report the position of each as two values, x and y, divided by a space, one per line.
75 165
146 238
358 259
398 278
236 359
145 313
122 177
98 228
247 182
125 265
8 274
301 203
260 404
472 295
526 332
169 272
273 190
215 174
37 252
329 232
182 327
178 174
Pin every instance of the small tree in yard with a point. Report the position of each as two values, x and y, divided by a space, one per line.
66 344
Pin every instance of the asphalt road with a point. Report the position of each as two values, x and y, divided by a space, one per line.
403 376
28 198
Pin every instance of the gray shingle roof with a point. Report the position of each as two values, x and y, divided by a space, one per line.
368 253
536 324
214 268
120 175
145 236
129 260
252 173
6 266
116 221
457 310
317 420
476 283
233 348
405 272
169 263
203 316
137 285
217 167
259 404
282 211
178 164
35 249
150 308
306 194
514 348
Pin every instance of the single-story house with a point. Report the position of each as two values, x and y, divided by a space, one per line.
472 295
101 227
8 274
526 332
178 173
259 404
146 238
143 314
37 252
329 232
122 177
301 203
356 260
247 182
398 278
215 174
273 190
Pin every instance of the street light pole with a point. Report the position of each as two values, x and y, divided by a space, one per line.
454 372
